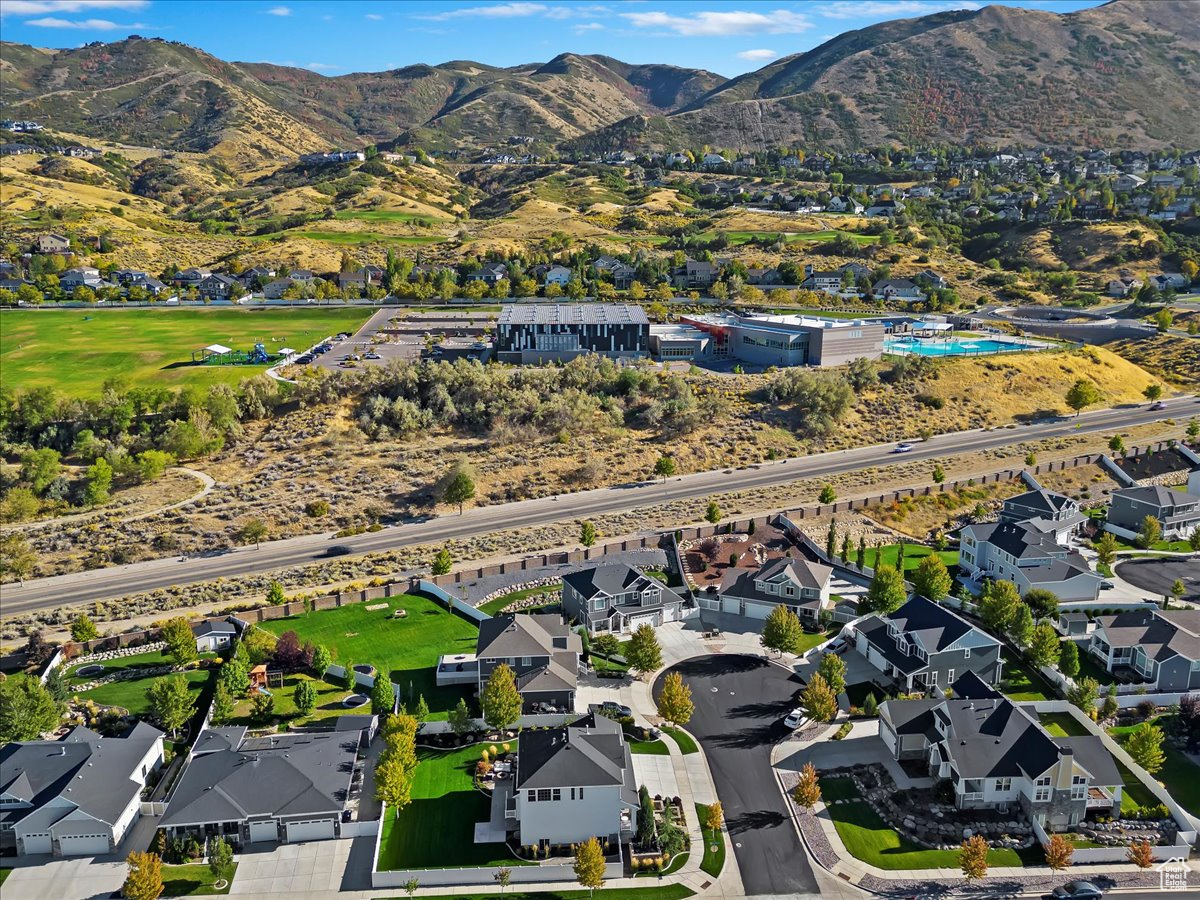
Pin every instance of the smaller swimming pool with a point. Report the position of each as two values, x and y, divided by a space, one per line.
958 346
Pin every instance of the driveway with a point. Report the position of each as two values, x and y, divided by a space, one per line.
740 704
1156 576
77 878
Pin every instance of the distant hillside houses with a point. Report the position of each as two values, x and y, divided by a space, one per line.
20 125
333 156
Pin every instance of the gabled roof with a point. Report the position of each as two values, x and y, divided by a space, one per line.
589 752
996 739
1018 539
209 627
1163 498
1043 501
970 686
614 578
800 572
936 627
1161 634
522 634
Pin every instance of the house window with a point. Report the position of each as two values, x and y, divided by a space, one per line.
532 796
950 676
967 653
933 677
525 660
1003 785
1078 788
581 793
1042 792
598 603
544 795
556 794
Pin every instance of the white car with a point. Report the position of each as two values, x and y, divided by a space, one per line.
903 448
794 719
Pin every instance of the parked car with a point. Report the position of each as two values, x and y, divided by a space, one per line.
1078 890
372 356
902 448
794 719
612 708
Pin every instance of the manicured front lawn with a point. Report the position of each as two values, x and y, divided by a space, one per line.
684 740
913 554
4 873
1062 725
808 641
663 892
649 748
407 649
131 693
714 859
329 703
1020 683
437 829
838 789
868 838
192 881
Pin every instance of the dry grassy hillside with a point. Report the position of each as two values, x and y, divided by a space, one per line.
1102 249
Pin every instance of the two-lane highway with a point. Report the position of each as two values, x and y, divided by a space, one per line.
104 584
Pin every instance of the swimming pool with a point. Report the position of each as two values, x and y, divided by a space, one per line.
954 346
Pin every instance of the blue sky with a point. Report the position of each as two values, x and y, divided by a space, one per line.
335 37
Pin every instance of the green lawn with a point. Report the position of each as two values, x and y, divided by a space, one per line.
131 693
437 830
1088 667
329 704
744 237
663 892
649 748
672 867
868 837
913 554
4 873
684 740
809 640
386 215
714 860
349 238
838 789
1019 682
1062 725
496 604
1179 775
192 881
76 350
407 649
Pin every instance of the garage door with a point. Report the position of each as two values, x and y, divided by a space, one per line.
264 831
83 844
731 605
37 843
317 830
758 610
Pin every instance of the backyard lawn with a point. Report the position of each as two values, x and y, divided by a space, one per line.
66 349
131 694
407 649
1062 725
913 554
1179 775
714 860
808 641
193 880
437 830
1088 667
494 606
1019 682
329 703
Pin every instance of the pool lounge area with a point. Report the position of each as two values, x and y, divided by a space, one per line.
958 346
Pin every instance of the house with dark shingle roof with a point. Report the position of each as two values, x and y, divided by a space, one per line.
571 783
1029 557
923 646
1160 647
542 651
997 755
1177 512
617 598
77 796
1050 512
280 787
800 585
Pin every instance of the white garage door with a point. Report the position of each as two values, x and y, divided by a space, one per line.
37 843
264 831
83 844
318 830
731 605
758 610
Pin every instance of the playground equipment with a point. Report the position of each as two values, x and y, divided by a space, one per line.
220 355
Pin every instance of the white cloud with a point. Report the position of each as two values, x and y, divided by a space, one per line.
585 27
86 24
321 67
279 11
757 55
718 24
890 9
499 11
374 17
42 7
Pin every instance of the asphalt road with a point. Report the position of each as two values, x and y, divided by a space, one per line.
110 583
1158 575
740 704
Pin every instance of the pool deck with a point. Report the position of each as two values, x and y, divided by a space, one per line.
984 345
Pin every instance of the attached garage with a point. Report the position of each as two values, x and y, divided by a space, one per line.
315 830
731 605
758 610
83 844
36 843
264 831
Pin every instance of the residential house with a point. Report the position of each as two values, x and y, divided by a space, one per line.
922 192
1174 182
1125 286
829 280
885 208
219 286
898 289
714 161
931 280
1124 184
621 273
845 204
543 653
560 275
569 784
997 755
1027 555
190 277
77 796
489 273
1169 280
368 276
274 290
696 274
277 788
1050 512
1178 512
80 276
800 585
617 598
924 646
212 637
52 243
257 275
1160 648
765 277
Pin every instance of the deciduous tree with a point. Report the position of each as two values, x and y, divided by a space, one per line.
442 562
500 700
1141 854
818 700
643 652
675 700
220 858
1020 629
84 629
1082 394
143 881
782 631
305 696
1145 746
253 532
833 670
713 513
397 763
27 709
1068 658
589 865
931 579
807 792
171 702
587 534
1058 852
1084 694
383 697
1044 647
972 857
887 592
1150 533
181 642
998 605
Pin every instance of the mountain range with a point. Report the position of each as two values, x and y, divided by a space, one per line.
1125 74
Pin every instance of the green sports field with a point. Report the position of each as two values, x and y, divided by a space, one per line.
77 350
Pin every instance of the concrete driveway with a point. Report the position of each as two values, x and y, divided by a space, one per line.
82 878
740 704
312 867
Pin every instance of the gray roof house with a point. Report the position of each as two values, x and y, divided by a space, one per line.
1160 648
1024 554
541 650
1178 512
801 585
923 646
617 597
571 783
1050 512
77 796
281 787
213 636
998 756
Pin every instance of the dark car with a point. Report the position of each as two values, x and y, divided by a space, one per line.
612 708
1157 406
1078 890
339 550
